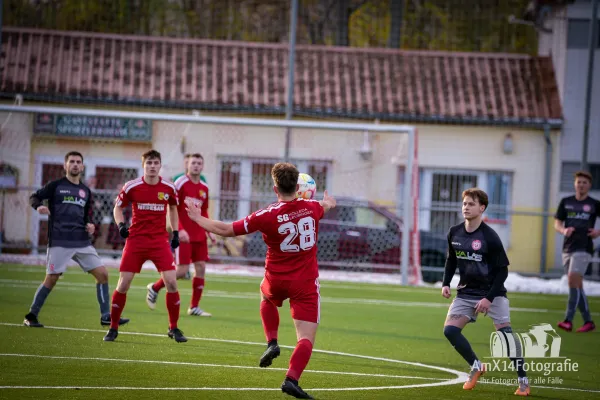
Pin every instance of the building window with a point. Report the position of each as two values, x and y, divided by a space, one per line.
578 34
498 184
567 176
229 190
246 184
440 197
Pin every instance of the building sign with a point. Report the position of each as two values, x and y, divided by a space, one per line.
93 127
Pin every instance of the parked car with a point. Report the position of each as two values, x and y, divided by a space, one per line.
363 236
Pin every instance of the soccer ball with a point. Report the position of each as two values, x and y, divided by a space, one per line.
306 187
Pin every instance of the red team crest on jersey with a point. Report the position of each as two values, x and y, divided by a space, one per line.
476 245
163 196
202 194
82 193
587 208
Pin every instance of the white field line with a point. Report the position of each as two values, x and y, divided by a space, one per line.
192 364
460 376
20 283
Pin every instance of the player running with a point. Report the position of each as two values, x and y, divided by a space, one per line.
70 225
193 247
477 251
290 230
147 239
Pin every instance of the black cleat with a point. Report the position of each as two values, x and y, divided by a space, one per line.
32 321
271 353
106 321
292 388
111 335
177 335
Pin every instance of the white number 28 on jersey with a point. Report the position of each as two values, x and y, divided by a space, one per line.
305 228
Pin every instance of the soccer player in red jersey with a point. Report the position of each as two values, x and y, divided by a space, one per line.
147 239
290 230
193 247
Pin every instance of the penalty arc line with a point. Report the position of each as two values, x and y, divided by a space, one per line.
192 364
460 376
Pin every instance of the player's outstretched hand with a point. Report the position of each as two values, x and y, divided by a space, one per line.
446 292
123 230
175 240
328 201
43 210
194 212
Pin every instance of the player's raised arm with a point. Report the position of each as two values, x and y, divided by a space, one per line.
217 227
328 202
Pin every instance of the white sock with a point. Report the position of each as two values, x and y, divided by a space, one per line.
524 380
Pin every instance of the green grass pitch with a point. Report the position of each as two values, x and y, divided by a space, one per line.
374 342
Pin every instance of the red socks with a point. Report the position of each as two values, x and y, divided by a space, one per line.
173 305
159 284
300 358
197 287
118 304
270 319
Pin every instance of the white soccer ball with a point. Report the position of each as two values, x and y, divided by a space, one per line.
307 187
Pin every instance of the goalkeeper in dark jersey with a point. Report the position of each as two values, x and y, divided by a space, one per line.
70 225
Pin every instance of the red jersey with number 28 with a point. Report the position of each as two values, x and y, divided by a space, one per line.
290 230
149 205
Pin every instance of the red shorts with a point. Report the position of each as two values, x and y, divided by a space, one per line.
135 255
305 300
191 252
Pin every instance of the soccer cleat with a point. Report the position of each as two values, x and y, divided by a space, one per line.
269 355
587 327
292 388
111 335
177 335
151 296
32 321
565 325
523 389
105 320
474 376
197 311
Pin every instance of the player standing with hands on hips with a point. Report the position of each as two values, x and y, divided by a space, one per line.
147 239
290 230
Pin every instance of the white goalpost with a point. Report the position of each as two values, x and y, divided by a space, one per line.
409 244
